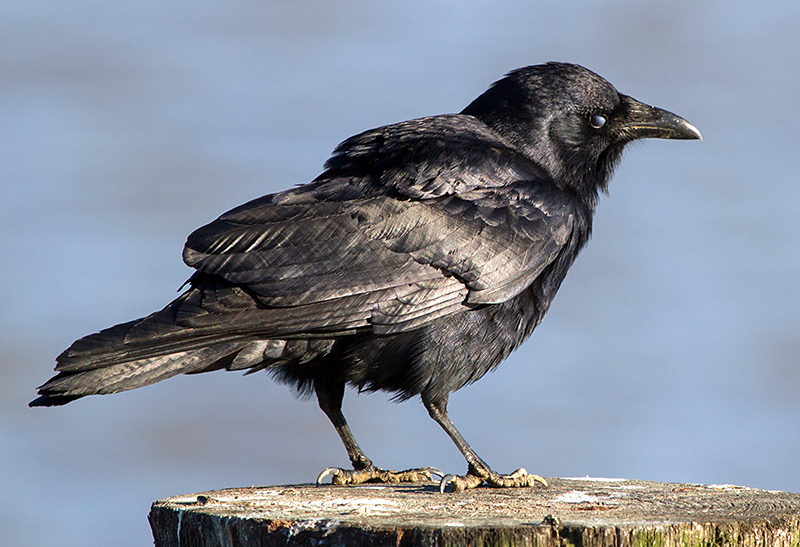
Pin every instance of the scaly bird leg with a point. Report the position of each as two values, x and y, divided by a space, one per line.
478 471
330 401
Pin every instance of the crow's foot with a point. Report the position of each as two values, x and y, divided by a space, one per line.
341 476
476 476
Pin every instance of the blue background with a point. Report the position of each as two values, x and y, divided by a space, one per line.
670 354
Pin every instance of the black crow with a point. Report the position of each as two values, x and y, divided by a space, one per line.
424 254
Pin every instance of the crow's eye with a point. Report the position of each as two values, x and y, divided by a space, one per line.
597 121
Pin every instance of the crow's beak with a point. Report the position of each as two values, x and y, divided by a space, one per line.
642 121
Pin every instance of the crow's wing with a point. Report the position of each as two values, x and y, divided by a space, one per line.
409 223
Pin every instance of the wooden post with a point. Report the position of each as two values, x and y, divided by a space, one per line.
570 512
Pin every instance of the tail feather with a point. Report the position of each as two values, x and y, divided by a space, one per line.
210 327
68 386
142 352
152 336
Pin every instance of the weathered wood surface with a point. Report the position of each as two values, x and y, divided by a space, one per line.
580 512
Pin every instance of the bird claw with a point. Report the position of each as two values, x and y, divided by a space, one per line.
333 471
459 483
433 471
518 479
341 476
475 477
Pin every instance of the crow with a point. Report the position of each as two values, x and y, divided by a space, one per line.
424 254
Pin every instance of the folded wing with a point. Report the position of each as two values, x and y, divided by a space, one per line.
391 236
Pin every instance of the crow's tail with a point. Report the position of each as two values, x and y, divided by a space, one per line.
151 349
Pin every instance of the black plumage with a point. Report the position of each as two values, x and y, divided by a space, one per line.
423 255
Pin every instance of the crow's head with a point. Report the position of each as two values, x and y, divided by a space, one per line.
572 122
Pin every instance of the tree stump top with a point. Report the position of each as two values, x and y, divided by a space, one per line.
570 511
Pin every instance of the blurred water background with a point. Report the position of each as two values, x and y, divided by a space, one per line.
670 354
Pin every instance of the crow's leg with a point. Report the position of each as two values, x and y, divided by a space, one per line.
478 471
330 395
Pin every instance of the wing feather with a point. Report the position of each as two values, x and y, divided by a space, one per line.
409 223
